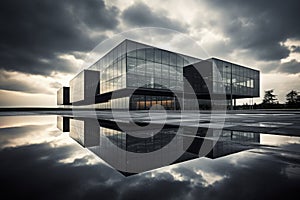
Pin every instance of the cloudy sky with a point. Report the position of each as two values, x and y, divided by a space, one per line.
44 43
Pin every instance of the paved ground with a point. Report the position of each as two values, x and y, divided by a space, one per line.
283 122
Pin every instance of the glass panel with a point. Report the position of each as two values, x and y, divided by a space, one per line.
173 59
140 81
132 80
172 73
157 73
165 57
141 53
165 71
173 84
131 49
115 70
158 55
150 54
165 83
140 67
234 71
157 83
185 62
149 68
148 102
110 58
179 86
119 68
179 60
123 65
123 49
131 65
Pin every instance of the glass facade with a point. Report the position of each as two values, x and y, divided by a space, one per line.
244 81
139 145
132 65
145 102
112 69
149 67
119 103
233 141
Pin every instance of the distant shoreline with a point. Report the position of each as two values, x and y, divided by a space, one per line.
32 109
22 109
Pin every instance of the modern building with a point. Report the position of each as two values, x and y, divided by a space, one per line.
137 76
63 96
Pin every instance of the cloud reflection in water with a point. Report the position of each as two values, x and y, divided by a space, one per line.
36 162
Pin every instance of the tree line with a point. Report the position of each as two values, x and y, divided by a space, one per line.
270 101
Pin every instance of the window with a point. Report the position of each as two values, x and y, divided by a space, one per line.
179 60
131 65
131 49
157 56
157 70
149 68
140 69
119 68
173 59
165 71
150 54
165 57
123 65
141 54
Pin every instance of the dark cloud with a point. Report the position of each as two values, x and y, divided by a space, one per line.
34 172
95 14
161 186
296 49
291 67
139 14
35 33
260 27
14 82
17 85
12 133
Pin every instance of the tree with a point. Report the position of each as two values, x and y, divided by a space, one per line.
291 97
298 100
269 97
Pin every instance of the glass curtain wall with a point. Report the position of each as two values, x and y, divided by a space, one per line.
120 103
245 81
135 65
112 67
150 67
153 68
145 102
124 141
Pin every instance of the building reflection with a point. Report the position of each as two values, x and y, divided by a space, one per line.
164 146
63 123
227 143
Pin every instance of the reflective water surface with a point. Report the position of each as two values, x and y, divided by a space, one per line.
40 161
